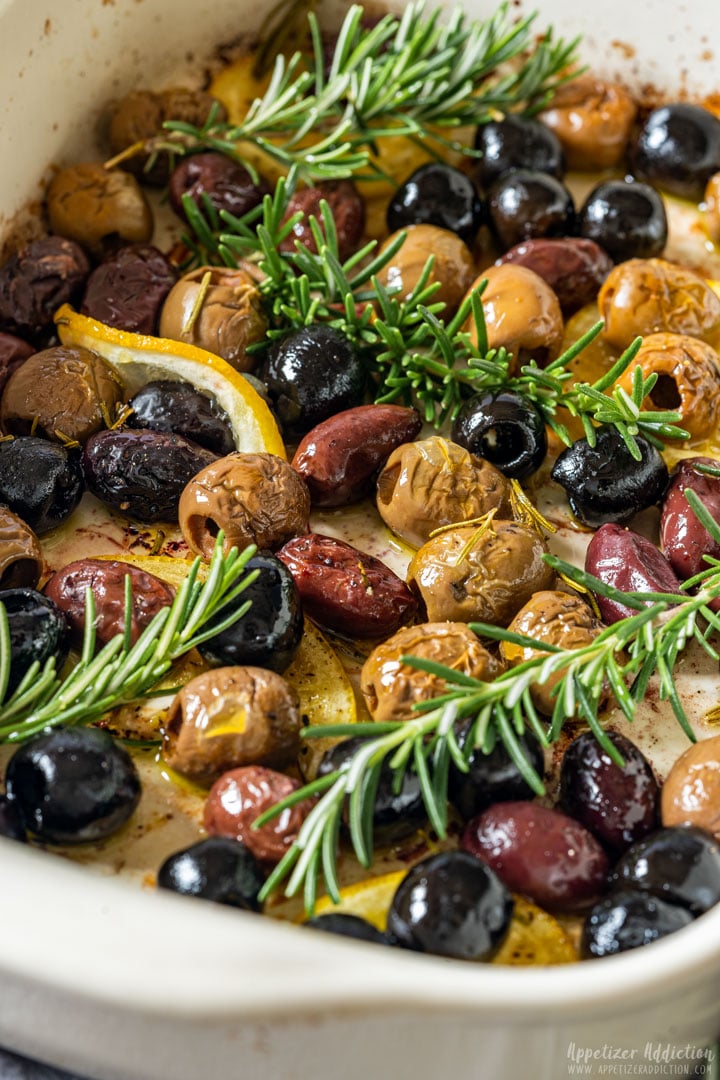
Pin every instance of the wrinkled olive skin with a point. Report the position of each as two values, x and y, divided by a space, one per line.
626 920
593 120
100 208
73 785
226 183
38 630
215 869
40 481
61 393
605 482
525 205
691 792
572 266
13 353
625 218
347 209
438 194
453 267
127 291
492 777
21 559
516 142
36 281
504 428
680 865
630 563
178 407
310 375
269 634
618 804
142 474
677 148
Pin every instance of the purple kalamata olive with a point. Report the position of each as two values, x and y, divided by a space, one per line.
572 266
630 563
684 540
226 183
36 281
128 289
346 206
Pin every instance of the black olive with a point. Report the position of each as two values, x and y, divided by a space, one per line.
226 183
73 785
491 778
38 630
605 483
678 864
217 869
310 375
451 904
178 407
625 218
396 814
627 920
128 289
677 148
438 194
269 634
142 474
352 926
11 822
525 205
504 428
517 143
41 482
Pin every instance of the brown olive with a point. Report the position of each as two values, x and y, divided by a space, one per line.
254 498
650 296
688 371
480 573
100 208
127 290
453 267
36 281
522 314
63 392
229 717
141 115
391 688
218 309
593 121
346 206
712 208
573 267
557 618
13 352
691 793
21 560
431 483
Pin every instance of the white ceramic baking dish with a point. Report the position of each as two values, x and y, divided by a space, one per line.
121 984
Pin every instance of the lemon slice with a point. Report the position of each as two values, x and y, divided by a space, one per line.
140 359
368 899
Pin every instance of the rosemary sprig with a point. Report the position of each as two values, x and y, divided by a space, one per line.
121 672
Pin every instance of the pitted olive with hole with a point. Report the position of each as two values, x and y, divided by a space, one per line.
21 558
592 119
100 208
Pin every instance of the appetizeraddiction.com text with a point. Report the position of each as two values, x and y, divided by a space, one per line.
660 1060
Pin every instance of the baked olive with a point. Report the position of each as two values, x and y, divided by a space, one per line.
36 281
13 353
524 205
683 538
269 634
433 482
38 631
142 474
628 920
517 142
219 309
680 865
351 926
450 905
347 209
216 869
73 785
493 777
311 374
254 498
127 290
506 429
180 408
625 218
712 207
453 267
573 267
40 481
438 194
691 792
629 563
226 183
11 822
99 208
63 393
593 120
677 148
605 483
21 559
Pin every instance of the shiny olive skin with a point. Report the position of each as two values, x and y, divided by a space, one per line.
453 905
217 869
13 352
438 194
312 374
516 142
492 777
11 823
351 926
226 183
73 785
626 218
679 864
269 634
395 815
626 920
40 481
142 474
504 428
684 539
605 482
128 289
36 281
525 205
678 149
38 630
178 407
619 804
630 563
572 266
